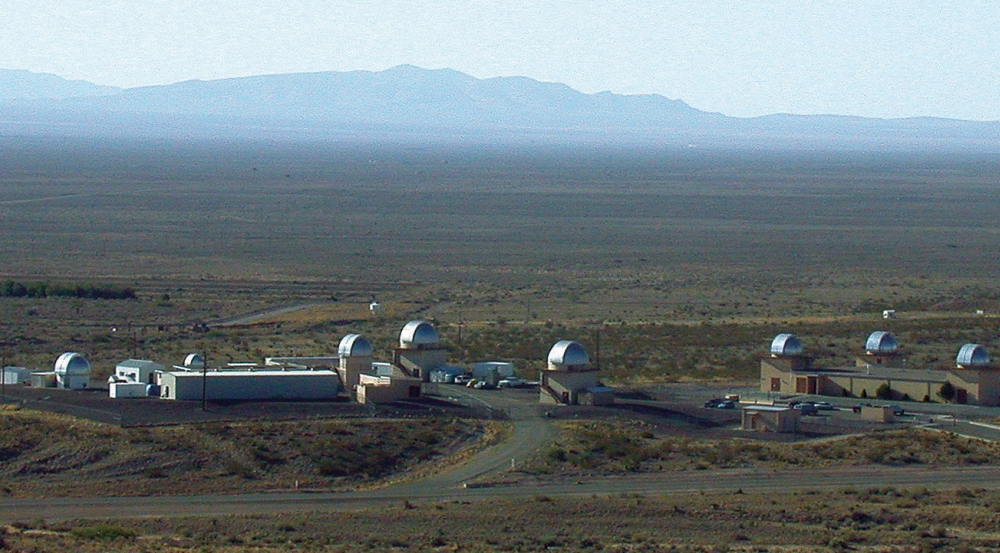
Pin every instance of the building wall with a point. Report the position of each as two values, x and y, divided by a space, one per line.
565 385
118 390
768 420
419 362
250 385
350 370
980 386
388 389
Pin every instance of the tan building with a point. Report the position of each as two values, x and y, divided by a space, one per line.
973 381
419 350
770 418
570 380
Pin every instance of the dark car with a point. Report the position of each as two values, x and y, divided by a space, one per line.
713 403
806 408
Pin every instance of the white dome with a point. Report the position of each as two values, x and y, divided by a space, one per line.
72 364
972 355
194 360
354 345
786 345
568 353
881 342
418 334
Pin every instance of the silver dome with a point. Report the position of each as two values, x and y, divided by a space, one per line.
881 342
72 364
785 345
568 353
194 360
417 334
972 355
355 345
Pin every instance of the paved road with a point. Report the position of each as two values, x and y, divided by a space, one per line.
724 481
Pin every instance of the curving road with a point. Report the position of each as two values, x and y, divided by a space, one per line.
530 432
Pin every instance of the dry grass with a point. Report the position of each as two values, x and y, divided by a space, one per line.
45 455
873 520
618 447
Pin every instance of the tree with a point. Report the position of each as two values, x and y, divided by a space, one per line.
947 392
883 392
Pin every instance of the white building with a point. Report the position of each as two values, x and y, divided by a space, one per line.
137 370
16 375
250 385
72 371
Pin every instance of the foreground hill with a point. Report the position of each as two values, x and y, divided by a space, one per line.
413 104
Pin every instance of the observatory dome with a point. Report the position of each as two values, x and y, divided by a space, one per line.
881 342
417 334
72 364
972 355
354 345
786 345
194 360
568 353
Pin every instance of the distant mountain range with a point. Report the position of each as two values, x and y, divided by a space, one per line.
412 104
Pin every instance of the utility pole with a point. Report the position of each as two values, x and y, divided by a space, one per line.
204 382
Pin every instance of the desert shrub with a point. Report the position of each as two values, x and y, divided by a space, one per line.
103 532
947 391
883 392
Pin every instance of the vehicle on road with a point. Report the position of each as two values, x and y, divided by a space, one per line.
824 406
463 379
806 408
726 404
896 410
712 403
483 385
511 382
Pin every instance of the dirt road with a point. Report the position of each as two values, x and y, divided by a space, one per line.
721 481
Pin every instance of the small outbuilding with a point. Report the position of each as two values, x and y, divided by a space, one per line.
137 370
770 418
16 375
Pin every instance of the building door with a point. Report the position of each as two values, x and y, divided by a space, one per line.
813 385
801 385
414 391
961 395
775 384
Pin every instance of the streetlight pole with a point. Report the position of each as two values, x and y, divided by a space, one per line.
204 382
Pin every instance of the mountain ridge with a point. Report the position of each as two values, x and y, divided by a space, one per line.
408 100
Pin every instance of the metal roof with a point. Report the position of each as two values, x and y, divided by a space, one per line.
880 342
785 345
354 345
418 333
568 352
71 363
972 355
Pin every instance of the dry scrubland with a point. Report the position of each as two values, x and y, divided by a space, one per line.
686 262
47 455
682 265
875 520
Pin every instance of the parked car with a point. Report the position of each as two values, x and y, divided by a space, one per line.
726 404
896 409
511 382
483 385
806 408
463 379
712 403
824 406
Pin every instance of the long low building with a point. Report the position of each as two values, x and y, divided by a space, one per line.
881 371
250 385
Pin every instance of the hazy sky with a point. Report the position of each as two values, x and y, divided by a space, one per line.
866 57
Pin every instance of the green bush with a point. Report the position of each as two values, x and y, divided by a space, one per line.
103 532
